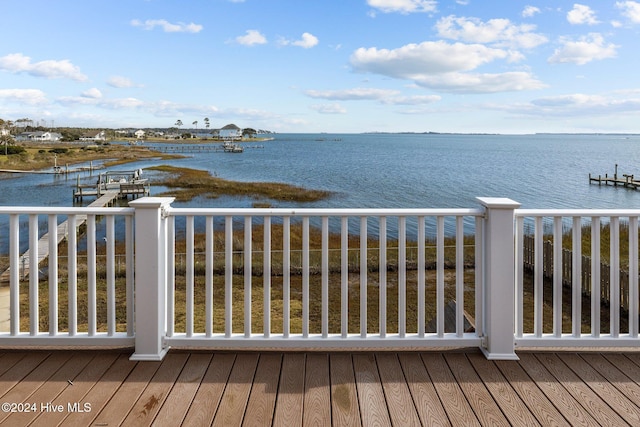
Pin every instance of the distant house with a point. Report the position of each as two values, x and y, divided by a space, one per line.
39 136
94 136
139 133
230 132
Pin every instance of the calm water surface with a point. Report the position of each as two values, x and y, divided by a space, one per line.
397 171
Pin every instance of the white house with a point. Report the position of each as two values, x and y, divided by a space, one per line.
39 136
139 133
230 132
94 136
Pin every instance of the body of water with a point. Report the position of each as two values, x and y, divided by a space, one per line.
399 170
395 171
415 170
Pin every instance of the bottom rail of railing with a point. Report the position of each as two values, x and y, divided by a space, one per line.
317 342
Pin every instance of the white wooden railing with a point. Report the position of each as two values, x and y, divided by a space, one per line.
24 225
310 278
244 335
562 322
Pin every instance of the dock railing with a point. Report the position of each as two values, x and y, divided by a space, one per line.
328 279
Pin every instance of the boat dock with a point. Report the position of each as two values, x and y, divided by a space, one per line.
124 183
106 199
626 181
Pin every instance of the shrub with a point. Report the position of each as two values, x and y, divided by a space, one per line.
12 149
59 150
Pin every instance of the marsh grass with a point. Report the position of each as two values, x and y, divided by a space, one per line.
185 184
41 156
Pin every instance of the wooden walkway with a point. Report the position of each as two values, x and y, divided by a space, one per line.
62 231
343 389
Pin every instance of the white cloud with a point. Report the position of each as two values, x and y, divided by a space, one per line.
581 105
500 32
480 82
167 26
120 82
403 6
251 38
630 10
444 67
356 94
412 100
384 96
424 58
93 93
51 69
23 96
582 14
307 41
99 101
329 108
530 11
584 50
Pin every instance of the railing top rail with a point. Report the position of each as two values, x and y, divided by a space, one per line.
577 212
279 212
39 210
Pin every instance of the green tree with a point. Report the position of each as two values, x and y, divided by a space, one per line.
249 133
206 122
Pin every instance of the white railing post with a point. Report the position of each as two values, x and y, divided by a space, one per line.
499 278
150 285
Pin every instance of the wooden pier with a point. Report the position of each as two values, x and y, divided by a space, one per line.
106 199
127 183
626 181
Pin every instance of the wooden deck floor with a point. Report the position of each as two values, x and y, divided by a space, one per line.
83 388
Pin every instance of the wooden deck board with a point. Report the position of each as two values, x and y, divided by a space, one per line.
236 394
453 399
364 388
262 401
580 391
603 388
425 397
102 391
152 399
126 396
402 410
78 389
207 399
30 383
574 413
484 406
502 392
625 365
179 399
539 404
317 391
46 395
344 398
20 369
373 408
290 399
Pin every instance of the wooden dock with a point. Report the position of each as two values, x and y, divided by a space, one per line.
627 181
106 199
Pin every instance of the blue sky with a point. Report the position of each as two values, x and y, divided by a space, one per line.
324 65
